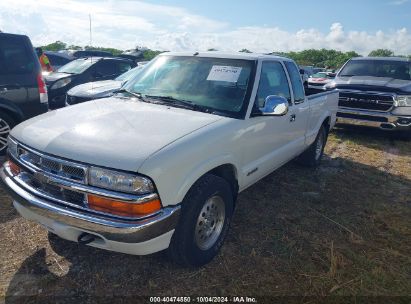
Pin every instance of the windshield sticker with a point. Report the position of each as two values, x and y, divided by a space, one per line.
224 73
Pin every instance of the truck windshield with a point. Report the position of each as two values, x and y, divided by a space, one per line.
215 83
77 66
378 68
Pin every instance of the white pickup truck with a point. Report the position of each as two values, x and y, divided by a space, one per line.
160 164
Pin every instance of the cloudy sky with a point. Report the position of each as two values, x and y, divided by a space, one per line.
229 25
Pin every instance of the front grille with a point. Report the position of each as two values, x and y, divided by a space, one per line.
54 191
60 168
366 101
362 117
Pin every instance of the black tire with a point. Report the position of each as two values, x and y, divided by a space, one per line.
6 124
185 244
313 155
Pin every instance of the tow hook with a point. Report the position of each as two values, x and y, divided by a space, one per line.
85 238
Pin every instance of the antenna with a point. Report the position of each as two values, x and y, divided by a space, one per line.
91 40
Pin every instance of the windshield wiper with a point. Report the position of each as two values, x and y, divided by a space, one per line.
181 103
135 94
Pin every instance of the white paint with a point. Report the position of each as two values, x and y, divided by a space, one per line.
224 73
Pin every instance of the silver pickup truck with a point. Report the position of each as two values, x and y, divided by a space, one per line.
375 91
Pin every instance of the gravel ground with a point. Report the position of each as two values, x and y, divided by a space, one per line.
340 230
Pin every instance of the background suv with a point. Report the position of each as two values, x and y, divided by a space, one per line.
23 93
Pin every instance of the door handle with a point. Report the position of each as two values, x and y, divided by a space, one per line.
292 117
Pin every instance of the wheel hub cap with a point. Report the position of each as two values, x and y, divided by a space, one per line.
210 222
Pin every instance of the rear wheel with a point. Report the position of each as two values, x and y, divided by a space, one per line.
6 124
205 219
312 156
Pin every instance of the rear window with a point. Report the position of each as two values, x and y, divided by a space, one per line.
15 58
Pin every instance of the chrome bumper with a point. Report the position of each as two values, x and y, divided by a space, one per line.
126 231
382 120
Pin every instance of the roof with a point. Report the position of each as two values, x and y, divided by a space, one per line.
64 55
97 58
228 55
382 58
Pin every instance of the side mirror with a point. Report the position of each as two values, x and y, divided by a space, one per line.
274 106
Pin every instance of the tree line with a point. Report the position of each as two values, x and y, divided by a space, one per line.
324 58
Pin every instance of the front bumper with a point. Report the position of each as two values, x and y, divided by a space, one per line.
382 120
110 233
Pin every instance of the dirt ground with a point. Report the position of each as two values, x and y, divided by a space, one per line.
343 229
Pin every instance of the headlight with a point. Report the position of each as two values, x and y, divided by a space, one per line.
119 181
12 147
403 101
330 85
61 83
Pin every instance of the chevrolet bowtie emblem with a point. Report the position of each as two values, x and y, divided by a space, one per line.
41 177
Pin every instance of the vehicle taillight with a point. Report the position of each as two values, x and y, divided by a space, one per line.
42 89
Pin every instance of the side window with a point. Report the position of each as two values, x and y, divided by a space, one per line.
123 67
273 81
14 57
105 68
296 83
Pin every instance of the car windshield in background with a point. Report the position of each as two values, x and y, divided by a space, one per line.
378 68
77 66
322 75
216 83
129 74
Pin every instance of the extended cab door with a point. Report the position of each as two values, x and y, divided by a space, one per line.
270 140
299 110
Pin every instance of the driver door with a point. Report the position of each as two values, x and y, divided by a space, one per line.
268 140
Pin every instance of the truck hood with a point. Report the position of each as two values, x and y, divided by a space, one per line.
97 88
383 83
113 132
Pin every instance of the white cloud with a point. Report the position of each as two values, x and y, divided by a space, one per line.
125 24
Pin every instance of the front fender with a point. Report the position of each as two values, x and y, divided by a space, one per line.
201 170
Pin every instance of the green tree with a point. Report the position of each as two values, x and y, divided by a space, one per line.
320 58
381 53
74 47
55 46
150 54
245 51
113 51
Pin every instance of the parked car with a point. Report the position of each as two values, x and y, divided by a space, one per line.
99 89
75 54
318 70
57 60
160 164
304 77
319 80
81 71
23 93
375 92
136 54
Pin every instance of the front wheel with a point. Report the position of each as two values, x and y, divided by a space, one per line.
312 156
6 124
205 218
